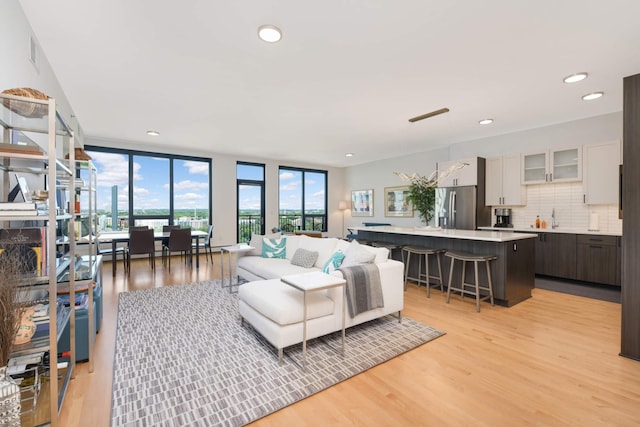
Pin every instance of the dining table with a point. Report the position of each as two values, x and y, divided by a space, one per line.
123 237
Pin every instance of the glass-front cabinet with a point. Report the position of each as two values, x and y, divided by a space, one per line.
37 225
560 165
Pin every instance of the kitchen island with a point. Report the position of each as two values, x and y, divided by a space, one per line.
513 271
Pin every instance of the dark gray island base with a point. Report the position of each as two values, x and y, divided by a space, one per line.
513 272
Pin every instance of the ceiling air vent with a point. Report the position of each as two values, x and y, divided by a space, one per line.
33 50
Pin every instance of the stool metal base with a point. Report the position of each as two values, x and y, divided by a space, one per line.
423 278
475 288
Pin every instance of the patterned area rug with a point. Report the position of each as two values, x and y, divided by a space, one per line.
183 358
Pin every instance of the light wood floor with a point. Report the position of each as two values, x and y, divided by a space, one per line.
549 361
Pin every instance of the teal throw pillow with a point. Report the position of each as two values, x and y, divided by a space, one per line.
333 262
274 248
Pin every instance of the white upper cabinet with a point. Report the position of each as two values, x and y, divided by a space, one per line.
462 172
562 165
601 173
566 165
502 186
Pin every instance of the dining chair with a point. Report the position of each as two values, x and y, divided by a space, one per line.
165 241
102 250
206 244
141 242
180 241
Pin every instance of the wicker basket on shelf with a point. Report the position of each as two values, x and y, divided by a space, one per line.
26 109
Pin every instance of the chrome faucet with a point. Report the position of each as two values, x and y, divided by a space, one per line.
554 224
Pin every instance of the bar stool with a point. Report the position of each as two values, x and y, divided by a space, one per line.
422 252
475 287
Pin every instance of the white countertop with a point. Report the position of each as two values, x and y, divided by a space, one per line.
553 230
483 235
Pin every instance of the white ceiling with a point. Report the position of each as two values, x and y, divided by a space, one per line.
346 77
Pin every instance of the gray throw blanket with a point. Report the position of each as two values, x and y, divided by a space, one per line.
364 290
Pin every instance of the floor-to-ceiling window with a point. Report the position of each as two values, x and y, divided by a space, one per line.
153 189
250 209
303 199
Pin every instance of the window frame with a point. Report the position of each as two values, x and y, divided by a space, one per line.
130 154
252 182
304 215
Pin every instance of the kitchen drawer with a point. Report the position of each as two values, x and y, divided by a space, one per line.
590 239
597 258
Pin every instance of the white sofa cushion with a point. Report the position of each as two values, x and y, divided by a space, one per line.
270 268
357 254
284 304
324 247
293 242
382 254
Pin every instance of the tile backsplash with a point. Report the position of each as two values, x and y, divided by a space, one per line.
571 212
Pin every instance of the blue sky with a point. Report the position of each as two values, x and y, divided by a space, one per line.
151 182
290 189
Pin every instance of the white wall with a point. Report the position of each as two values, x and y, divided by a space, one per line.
380 174
571 211
570 134
17 69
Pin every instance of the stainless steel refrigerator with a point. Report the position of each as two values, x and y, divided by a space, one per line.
461 208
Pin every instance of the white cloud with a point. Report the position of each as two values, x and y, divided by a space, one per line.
290 186
137 191
188 197
249 203
318 194
113 169
188 185
286 175
200 168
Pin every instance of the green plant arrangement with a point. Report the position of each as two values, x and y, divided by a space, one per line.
422 190
423 198
422 194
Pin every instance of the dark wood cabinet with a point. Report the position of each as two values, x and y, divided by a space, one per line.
556 255
597 259
630 336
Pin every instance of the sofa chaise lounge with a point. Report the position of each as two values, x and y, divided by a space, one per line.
275 309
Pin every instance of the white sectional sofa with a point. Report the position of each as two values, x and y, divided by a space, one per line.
275 309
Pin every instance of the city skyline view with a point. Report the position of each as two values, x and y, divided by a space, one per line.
151 183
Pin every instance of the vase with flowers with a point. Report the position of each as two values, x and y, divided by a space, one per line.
422 190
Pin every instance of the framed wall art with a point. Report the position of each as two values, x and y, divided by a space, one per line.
362 203
396 202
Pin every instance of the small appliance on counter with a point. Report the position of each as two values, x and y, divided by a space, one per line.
503 217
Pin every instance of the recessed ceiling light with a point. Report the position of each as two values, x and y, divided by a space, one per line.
592 96
349 155
574 78
269 33
153 133
486 121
